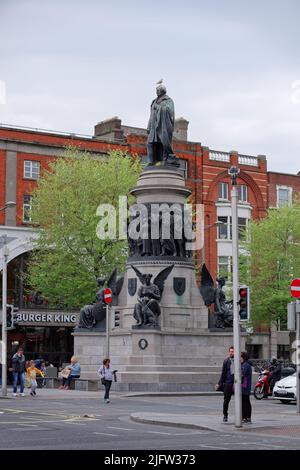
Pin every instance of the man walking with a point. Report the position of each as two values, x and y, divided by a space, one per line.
18 363
226 382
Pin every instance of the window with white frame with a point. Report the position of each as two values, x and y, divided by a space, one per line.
225 227
223 191
284 196
31 169
225 267
27 203
243 193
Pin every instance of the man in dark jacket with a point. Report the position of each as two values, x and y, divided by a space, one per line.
275 373
18 364
226 382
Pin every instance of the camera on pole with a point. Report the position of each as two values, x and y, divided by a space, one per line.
244 303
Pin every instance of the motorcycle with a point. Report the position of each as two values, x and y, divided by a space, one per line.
262 387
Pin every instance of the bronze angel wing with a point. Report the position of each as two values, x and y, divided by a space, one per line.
139 274
159 281
207 288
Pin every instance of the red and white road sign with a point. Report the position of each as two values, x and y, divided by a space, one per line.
108 295
295 288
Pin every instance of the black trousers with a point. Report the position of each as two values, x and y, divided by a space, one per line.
228 392
107 385
246 407
69 379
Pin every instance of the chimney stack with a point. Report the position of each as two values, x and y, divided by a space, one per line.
181 129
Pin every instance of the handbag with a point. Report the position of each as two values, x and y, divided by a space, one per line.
64 374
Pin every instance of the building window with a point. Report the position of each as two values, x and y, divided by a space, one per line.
27 202
225 227
242 225
284 196
243 193
223 191
225 267
31 169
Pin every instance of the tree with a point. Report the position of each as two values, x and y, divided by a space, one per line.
69 256
271 260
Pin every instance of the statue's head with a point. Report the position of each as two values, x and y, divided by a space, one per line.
221 282
147 278
160 89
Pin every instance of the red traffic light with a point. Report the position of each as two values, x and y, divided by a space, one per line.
243 292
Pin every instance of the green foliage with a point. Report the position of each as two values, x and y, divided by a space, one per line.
69 256
273 260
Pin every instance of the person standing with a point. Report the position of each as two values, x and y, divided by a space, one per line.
18 365
106 375
226 382
246 388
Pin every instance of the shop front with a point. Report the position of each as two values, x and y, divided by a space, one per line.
43 334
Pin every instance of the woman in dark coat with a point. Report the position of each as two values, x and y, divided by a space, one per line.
246 388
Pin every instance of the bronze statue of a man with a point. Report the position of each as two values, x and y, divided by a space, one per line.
160 127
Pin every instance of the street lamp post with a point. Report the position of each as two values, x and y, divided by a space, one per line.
4 302
233 172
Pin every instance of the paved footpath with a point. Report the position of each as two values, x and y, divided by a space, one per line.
59 419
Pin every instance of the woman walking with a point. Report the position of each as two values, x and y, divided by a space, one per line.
246 388
106 375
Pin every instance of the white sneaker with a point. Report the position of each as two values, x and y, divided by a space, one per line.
23 395
14 394
107 401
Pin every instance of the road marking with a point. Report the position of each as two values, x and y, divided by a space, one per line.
106 434
123 429
213 447
29 425
159 432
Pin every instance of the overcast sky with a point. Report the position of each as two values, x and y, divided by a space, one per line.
232 68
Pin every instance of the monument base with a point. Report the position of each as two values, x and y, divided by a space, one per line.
157 361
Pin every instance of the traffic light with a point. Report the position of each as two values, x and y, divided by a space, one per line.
10 316
116 319
244 303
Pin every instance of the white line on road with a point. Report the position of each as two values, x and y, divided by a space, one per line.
106 434
159 432
123 429
213 447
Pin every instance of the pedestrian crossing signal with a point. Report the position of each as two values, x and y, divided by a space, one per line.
244 303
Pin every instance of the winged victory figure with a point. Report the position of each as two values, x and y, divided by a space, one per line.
147 309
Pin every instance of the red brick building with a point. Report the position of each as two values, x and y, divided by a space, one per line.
25 154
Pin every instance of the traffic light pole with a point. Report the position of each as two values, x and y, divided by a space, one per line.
236 322
4 332
107 330
298 355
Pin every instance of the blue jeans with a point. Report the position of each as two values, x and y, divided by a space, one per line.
21 376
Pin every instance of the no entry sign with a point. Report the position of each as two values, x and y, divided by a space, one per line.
295 288
108 295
